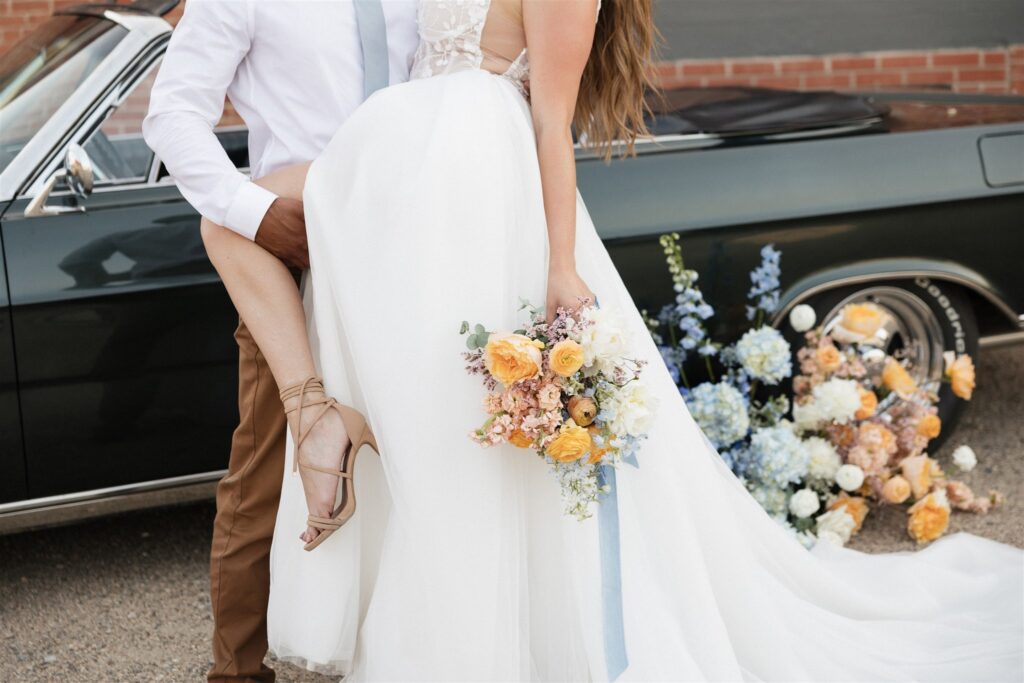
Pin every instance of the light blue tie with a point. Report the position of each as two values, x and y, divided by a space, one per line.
373 37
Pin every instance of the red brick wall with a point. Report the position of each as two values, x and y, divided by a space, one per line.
997 70
18 17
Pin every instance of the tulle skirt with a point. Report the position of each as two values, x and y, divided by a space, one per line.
426 210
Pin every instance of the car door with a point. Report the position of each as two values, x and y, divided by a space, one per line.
12 456
122 330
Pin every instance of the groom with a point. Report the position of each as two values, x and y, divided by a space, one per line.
294 70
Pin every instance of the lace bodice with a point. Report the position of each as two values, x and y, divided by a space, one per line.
456 35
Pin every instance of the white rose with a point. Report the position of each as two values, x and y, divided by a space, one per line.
632 407
965 458
825 460
604 340
849 477
802 318
835 526
804 503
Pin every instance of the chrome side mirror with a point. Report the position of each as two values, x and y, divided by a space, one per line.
76 174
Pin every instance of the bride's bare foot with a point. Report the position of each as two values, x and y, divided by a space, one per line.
325 446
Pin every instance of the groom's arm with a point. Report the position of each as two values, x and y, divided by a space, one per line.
186 103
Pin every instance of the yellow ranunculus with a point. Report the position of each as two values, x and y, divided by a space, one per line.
929 426
828 358
519 439
571 444
595 453
511 358
896 490
961 374
862 320
582 409
566 358
855 506
896 377
868 403
929 517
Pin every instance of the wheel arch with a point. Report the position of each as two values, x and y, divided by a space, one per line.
995 314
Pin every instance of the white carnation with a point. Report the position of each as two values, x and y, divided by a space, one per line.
849 477
804 503
965 458
836 400
825 460
802 318
835 526
631 408
604 341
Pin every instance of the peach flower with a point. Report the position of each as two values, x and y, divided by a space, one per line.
855 506
896 377
896 490
549 397
961 375
863 320
582 409
566 358
868 403
929 517
919 471
596 453
827 357
571 444
511 358
929 426
520 439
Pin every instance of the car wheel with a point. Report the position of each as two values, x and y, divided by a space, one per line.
924 318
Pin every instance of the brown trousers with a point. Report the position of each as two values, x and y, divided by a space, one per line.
247 499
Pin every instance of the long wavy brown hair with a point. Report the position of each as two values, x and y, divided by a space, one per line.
618 77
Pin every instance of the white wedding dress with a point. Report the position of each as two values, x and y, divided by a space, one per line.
426 209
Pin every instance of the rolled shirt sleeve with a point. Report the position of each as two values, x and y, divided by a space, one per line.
186 103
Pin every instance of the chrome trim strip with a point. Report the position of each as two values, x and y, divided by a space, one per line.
110 492
1006 339
898 274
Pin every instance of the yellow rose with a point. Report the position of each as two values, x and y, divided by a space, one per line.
566 358
827 357
868 403
862 320
571 444
961 374
917 470
896 490
929 426
896 377
511 358
595 453
520 440
929 517
582 409
854 506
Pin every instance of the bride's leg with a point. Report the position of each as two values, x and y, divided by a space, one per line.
267 298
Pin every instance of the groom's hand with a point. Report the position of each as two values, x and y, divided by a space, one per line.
283 232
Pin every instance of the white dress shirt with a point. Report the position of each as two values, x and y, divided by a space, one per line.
293 69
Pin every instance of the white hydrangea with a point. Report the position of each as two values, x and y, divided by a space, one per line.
849 477
835 526
836 400
765 354
720 411
965 458
604 341
825 461
802 318
804 503
806 417
771 498
631 409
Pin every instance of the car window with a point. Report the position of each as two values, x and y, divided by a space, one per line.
118 152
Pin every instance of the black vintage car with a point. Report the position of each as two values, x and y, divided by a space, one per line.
117 365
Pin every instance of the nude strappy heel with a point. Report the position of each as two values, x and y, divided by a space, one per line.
359 434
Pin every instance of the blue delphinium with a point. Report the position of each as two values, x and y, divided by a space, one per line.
765 288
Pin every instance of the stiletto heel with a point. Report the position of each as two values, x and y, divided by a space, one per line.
359 434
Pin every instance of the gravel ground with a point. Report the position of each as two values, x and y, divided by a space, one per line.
125 598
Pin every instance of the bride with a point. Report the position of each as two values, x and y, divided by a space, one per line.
450 197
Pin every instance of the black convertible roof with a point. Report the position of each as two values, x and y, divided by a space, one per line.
736 111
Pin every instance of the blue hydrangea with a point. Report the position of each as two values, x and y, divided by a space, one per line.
721 411
764 279
771 498
765 354
775 457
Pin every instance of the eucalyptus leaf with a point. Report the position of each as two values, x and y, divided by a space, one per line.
465 327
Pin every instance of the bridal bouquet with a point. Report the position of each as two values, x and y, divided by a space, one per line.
565 390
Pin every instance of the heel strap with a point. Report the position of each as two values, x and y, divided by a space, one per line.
326 404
